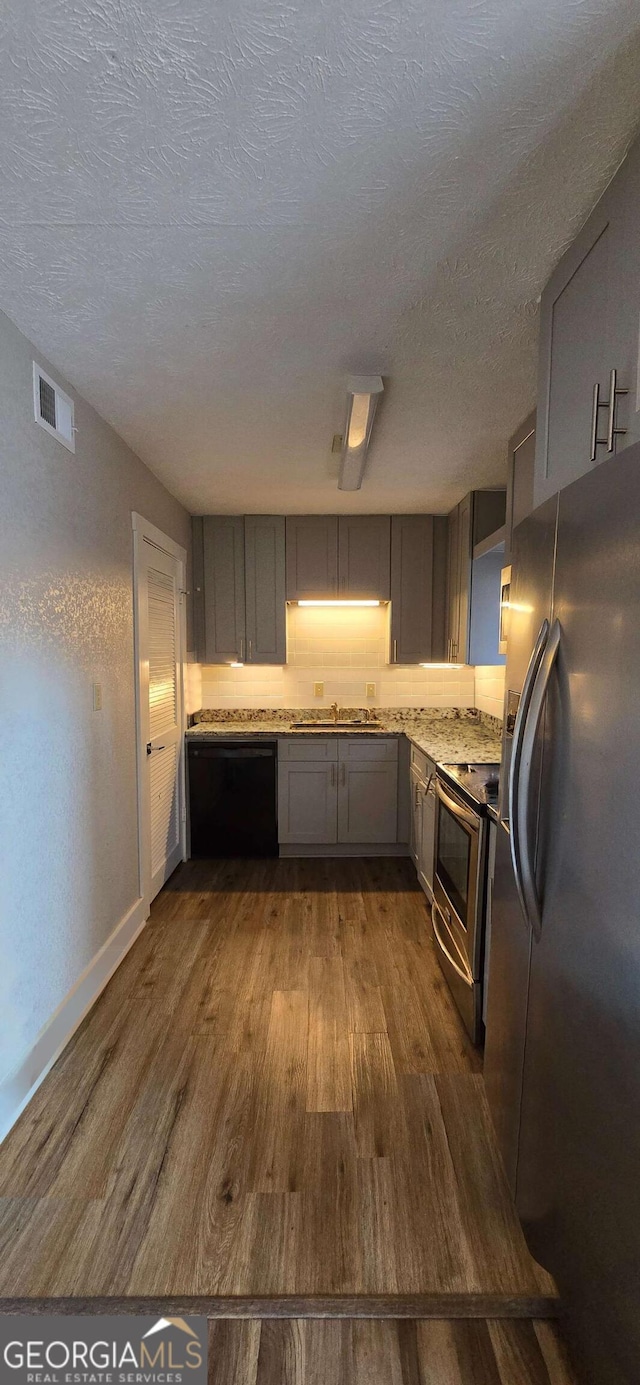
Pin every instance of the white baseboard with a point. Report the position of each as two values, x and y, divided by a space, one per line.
18 1088
343 849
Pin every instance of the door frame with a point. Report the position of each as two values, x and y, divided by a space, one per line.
143 531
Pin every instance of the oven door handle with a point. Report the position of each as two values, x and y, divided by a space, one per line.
533 903
465 975
456 807
516 760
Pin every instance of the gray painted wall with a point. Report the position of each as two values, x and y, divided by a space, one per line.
68 813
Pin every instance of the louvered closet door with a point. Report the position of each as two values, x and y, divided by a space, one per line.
161 710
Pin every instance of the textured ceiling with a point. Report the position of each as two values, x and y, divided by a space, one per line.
212 212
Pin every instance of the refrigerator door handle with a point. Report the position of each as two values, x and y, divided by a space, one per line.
516 758
532 902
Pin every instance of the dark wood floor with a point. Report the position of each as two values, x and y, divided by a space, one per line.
386 1353
274 1096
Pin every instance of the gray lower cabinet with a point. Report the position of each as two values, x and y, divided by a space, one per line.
426 864
423 817
589 316
368 801
367 791
312 556
239 585
364 550
264 559
418 587
336 790
307 802
417 798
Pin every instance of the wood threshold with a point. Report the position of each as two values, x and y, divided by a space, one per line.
450 1306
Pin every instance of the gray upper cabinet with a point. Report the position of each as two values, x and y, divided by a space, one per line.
239 602
364 562
460 643
475 519
336 557
265 589
224 588
453 582
197 599
588 328
574 356
487 512
312 556
521 455
458 582
624 330
418 584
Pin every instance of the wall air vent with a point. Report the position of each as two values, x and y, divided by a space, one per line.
53 408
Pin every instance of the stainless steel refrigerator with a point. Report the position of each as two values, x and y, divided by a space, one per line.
562 1058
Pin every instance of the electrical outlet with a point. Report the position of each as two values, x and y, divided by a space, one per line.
97 697
371 689
318 690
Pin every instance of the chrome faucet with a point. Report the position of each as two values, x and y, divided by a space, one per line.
334 709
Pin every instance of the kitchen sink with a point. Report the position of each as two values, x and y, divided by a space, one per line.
332 725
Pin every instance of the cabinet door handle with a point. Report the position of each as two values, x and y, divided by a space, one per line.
395 651
333 776
343 774
242 649
250 650
610 405
614 393
594 421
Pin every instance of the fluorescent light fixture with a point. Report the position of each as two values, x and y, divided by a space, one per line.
339 603
363 393
442 666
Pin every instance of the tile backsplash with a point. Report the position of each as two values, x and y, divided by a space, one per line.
490 688
345 650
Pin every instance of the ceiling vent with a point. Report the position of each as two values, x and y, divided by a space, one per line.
53 408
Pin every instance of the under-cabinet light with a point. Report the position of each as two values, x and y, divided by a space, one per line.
338 603
235 663
442 666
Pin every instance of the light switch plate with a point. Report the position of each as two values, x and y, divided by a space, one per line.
318 690
97 697
371 689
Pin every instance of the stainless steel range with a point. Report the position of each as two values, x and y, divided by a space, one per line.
464 795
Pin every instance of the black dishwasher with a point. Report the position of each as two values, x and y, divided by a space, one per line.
232 799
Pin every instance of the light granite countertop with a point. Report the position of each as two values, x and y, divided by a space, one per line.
447 737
